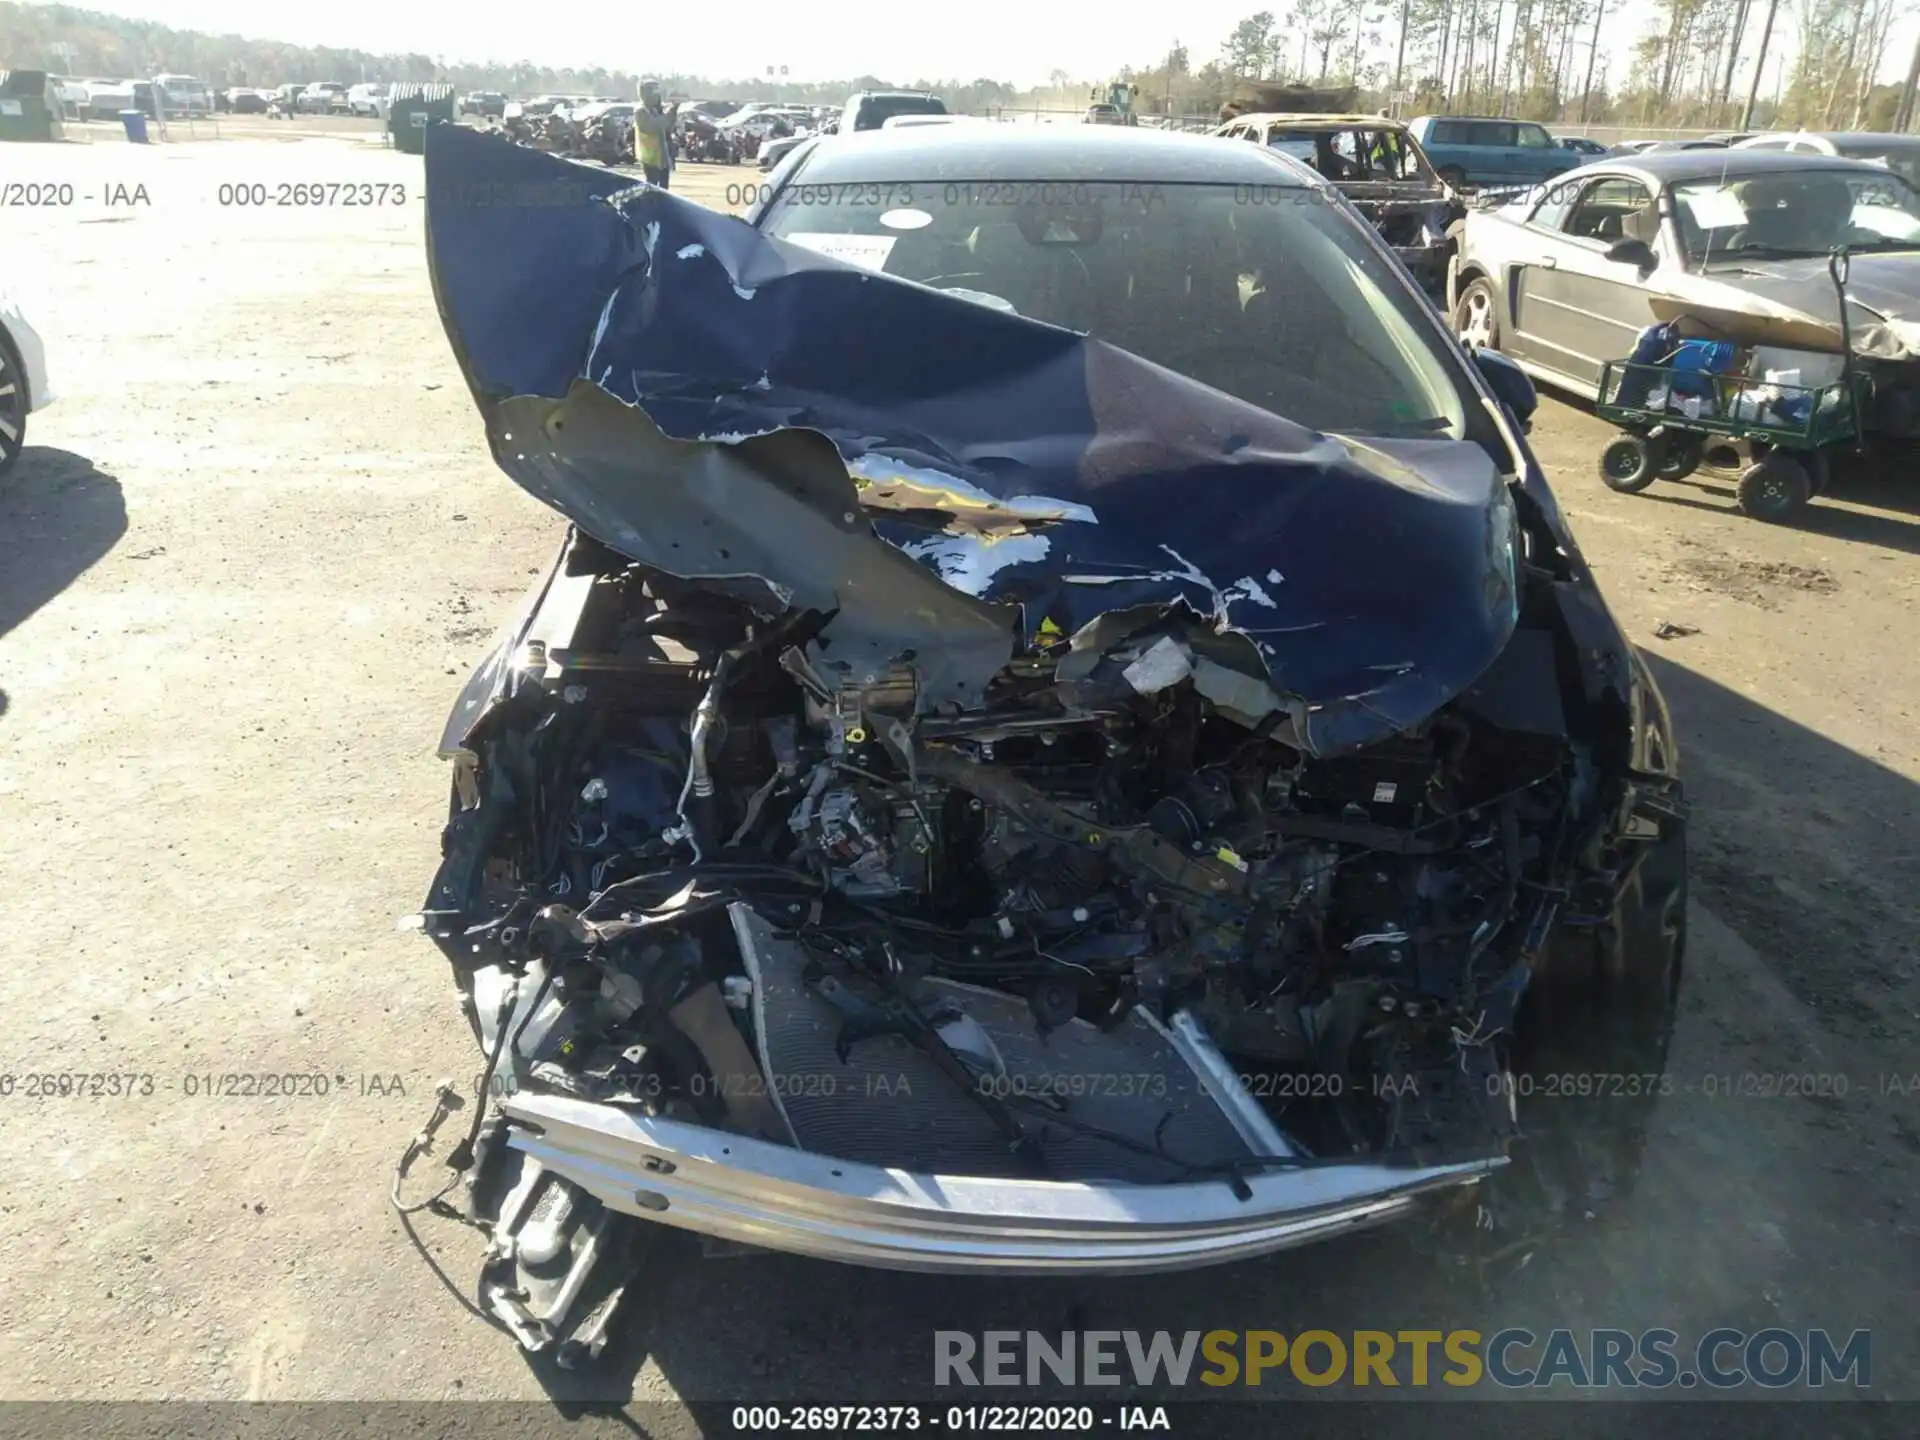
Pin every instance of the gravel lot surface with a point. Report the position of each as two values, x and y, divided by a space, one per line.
244 565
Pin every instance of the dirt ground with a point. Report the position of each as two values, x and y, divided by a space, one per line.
245 563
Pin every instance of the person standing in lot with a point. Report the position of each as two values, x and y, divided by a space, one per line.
652 141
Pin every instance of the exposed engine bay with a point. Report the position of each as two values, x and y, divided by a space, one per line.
1111 925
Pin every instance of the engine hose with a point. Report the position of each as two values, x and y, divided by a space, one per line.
698 824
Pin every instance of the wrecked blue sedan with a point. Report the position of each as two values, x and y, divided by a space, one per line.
1067 732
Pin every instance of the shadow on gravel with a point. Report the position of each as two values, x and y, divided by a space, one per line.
1883 480
1804 846
1715 490
768 1328
59 514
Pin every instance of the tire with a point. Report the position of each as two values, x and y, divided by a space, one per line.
1602 1004
1819 472
1775 488
1628 464
1679 456
13 408
1476 315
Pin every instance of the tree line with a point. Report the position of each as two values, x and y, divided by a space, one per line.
86 43
1551 60
1693 66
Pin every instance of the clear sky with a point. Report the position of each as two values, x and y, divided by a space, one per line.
1020 41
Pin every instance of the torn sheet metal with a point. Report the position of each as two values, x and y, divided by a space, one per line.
1792 303
959 429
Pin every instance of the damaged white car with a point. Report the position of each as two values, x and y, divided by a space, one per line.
1068 733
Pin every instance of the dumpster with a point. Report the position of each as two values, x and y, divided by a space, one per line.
29 106
136 126
411 108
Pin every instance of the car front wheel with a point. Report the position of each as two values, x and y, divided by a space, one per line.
1476 316
13 405
1595 1032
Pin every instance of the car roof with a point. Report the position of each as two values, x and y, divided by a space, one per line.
1840 137
1667 166
1310 120
1499 119
1055 153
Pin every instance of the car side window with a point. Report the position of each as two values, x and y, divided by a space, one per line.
1532 137
1385 155
1495 134
1452 132
1553 206
1610 210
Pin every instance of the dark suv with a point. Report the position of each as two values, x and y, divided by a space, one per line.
871 109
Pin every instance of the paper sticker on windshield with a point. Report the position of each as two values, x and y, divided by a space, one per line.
906 219
1716 209
869 252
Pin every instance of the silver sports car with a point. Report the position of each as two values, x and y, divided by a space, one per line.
1734 244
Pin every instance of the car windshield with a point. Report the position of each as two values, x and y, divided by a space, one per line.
1287 306
1784 214
1356 155
1899 155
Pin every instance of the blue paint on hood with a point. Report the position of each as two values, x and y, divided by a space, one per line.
1037 469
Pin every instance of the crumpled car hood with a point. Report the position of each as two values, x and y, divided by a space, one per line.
1888 285
1793 301
717 403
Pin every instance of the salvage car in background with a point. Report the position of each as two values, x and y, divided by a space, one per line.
1580 144
107 98
870 109
1377 164
367 99
24 387
321 97
776 148
1124 768
1663 147
1733 241
183 95
1475 150
1752 310
1899 153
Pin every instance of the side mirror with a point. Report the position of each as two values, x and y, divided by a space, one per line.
1636 253
1509 384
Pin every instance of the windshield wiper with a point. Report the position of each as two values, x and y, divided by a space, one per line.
1426 425
1762 252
